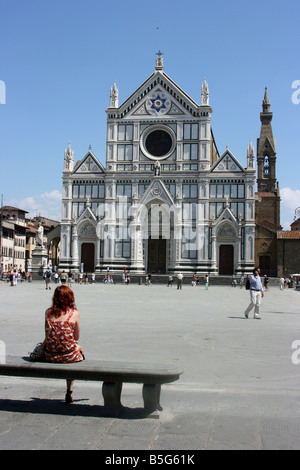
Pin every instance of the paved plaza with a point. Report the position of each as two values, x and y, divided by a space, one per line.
240 388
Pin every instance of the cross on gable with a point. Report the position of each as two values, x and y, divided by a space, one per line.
89 162
227 160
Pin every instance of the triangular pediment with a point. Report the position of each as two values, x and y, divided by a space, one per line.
158 103
87 214
226 215
158 97
157 193
227 163
89 164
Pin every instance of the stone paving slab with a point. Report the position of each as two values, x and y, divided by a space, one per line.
240 388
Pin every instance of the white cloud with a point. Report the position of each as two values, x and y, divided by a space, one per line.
290 200
47 205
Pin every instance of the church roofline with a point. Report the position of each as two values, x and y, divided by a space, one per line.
139 94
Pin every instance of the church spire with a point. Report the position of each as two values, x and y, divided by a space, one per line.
204 94
250 156
266 102
69 159
114 96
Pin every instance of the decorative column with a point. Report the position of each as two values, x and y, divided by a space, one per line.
75 258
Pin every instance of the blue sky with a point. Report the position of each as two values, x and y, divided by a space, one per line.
59 59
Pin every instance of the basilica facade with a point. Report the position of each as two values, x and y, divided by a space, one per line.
166 200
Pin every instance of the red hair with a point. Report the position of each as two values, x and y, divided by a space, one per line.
63 299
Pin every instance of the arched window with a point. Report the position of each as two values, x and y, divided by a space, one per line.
266 167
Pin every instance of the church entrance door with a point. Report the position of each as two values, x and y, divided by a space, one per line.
157 250
88 257
226 264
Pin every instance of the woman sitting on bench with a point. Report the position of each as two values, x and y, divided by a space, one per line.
62 325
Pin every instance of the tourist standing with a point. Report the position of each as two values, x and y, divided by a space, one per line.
47 275
256 294
179 280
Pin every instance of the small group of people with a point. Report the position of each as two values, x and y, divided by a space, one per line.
125 278
107 279
196 281
286 282
67 278
14 275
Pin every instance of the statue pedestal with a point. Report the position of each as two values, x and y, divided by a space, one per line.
39 262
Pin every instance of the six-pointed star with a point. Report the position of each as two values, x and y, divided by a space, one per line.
158 103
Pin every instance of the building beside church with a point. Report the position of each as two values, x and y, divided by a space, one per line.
288 249
166 201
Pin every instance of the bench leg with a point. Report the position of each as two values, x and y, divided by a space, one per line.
112 394
151 396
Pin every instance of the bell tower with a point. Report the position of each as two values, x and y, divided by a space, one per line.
267 204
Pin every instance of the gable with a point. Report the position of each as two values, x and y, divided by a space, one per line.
89 164
157 191
227 163
158 103
158 96
227 215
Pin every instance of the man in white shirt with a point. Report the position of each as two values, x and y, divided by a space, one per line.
256 294
179 280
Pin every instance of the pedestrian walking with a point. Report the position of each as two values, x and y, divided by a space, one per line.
63 277
206 281
281 283
266 282
256 294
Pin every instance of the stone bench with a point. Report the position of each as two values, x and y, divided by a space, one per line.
112 374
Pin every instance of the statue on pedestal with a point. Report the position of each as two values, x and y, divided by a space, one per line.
39 238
